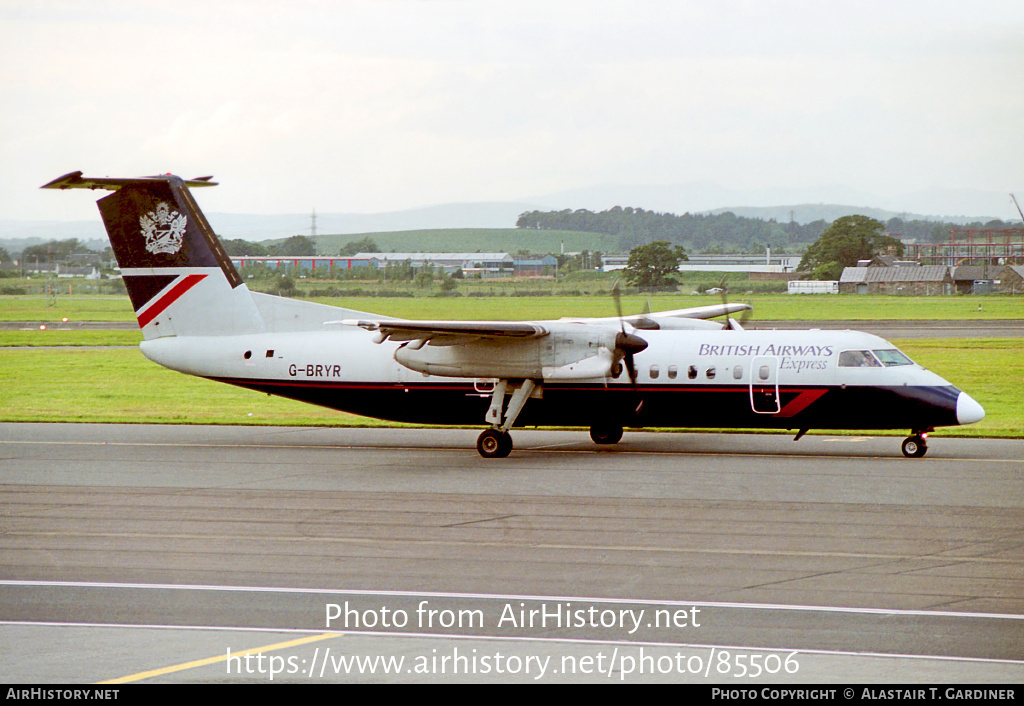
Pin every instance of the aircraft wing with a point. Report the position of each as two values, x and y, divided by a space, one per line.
446 333
674 319
699 312
450 333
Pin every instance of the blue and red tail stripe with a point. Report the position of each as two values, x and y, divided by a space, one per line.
174 286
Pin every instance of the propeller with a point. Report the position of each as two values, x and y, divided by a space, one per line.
732 324
626 344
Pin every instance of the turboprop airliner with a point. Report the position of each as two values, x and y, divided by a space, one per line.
666 369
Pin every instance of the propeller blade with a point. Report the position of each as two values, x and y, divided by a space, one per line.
732 324
617 298
631 369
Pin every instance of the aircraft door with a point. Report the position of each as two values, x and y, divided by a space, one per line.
764 385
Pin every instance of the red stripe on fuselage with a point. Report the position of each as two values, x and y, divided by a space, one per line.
183 285
799 403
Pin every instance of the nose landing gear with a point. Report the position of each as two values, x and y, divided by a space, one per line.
915 445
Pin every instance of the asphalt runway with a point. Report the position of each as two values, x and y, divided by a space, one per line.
163 553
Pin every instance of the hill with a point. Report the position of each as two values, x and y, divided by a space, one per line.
809 212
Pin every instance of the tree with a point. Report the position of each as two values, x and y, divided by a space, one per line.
296 245
424 278
847 240
54 251
354 247
243 248
286 286
448 283
654 265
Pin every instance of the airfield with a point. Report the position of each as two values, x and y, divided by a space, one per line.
147 552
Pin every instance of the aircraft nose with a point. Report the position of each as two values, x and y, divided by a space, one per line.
968 411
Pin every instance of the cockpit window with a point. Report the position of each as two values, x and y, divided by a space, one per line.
858 359
891 357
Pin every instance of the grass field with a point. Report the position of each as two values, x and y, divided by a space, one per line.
71 383
36 338
766 307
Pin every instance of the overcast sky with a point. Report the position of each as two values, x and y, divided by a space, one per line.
371 106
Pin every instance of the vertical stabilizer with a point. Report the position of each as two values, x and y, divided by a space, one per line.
179 279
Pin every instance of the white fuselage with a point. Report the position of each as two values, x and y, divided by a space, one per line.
790 379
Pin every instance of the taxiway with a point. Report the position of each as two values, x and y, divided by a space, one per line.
871 566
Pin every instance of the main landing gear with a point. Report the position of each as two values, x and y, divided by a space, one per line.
916 445
606 433
496 442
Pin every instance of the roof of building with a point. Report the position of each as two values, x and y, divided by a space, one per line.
971 272
433 256
924 273
546 261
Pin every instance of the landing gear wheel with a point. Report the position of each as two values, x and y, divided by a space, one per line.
493 443
914 447
606 433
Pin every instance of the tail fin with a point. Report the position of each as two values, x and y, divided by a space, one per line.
179 278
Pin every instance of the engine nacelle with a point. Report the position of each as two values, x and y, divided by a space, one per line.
568 352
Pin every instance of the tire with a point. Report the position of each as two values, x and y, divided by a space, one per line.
914 447
606 433
494 444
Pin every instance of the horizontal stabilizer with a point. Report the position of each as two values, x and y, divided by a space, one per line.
75 180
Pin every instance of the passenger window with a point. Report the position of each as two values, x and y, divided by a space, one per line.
858 359
737 372
654 372
672 372
763 372
710 373
691 372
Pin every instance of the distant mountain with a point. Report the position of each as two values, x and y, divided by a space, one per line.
456 215
255 227
15 236
958 206
810 212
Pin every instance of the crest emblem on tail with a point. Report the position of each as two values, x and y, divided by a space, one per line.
163 229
